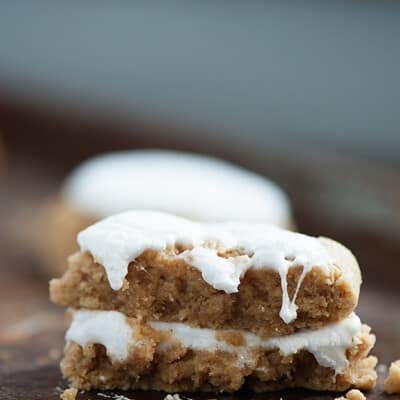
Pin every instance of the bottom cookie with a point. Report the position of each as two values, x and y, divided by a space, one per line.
105 350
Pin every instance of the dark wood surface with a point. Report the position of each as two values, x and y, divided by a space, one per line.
353 202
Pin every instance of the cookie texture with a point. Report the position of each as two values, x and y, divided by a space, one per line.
392 382
177 368
162 286
159 302
69 394
353 394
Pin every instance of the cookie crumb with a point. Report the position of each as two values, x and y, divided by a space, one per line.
392 382
177 397
69 394
353 394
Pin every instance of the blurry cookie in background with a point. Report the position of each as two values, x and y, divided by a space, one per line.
197 187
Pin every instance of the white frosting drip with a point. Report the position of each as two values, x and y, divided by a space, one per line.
116 241
108 328
210 265
328 344
193 186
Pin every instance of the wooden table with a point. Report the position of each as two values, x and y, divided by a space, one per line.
353 202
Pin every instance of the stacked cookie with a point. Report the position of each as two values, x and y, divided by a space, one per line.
161 302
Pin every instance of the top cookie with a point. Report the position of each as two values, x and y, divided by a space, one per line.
223 275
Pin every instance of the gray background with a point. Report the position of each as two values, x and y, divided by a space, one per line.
320 72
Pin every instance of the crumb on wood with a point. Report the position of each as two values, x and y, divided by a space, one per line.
120 397
69 394
174 397
392 382
353 394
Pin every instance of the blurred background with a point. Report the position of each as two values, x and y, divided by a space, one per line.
317 73
306 93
